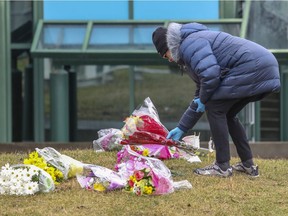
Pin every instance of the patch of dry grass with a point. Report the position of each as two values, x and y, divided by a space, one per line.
238 195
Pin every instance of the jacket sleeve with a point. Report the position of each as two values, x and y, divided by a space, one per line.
189 118
196 94
198 54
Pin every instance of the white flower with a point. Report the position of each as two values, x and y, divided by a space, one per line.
32 171
6 171
14 174
26 176
4 180
18 181
5 167
16 188
31 188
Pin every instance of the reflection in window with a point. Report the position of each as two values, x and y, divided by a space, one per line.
21 21
233 29
62 36
122 36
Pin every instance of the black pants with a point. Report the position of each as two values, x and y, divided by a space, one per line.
223 121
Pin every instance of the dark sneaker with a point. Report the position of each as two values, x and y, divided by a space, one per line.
213 170
252 171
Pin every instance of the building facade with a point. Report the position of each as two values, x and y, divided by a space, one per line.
69 69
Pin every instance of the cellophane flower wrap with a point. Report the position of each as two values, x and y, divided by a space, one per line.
143 127
67 165
23 180
156 177
108 140
35 159
98 178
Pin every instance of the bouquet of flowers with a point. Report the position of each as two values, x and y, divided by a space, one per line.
67 165
141 182
156 177
24 180
99 178
108 139
38 161
129 155
144 127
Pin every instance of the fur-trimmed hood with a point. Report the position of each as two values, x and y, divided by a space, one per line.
174 40
177 32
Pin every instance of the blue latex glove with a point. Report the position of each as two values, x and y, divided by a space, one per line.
201 107
175 134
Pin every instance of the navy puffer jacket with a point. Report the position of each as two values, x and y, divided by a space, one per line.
223 66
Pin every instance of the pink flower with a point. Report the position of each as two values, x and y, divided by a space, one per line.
176 155
138 175
130 165
140 165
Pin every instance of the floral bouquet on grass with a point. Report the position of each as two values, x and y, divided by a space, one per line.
128 157
143 127
108 140
98 178
141 182
24 180
144 175
38 161
67 165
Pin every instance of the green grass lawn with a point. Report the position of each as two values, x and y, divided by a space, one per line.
238 195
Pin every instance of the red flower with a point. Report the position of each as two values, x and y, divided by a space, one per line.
138 175
131 183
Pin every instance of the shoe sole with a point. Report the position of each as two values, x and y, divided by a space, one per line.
246 173
222 176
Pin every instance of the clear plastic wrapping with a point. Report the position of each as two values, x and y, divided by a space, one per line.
67 165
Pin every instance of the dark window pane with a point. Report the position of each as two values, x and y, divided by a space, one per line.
21 21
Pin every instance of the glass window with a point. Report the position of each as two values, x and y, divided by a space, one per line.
62 36
130 36
102 98
103 94
21 21
268 24
233 29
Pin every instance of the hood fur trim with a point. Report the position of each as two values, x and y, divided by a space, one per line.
174 40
